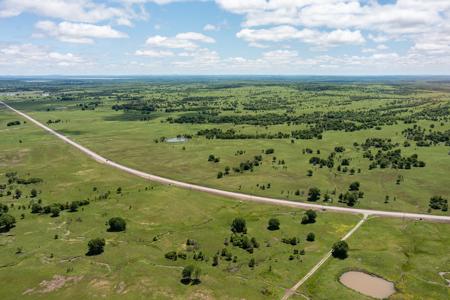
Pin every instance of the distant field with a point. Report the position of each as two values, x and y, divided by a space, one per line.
129 136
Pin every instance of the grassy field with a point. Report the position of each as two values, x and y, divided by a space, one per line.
133 264
123 137
409 254
44 257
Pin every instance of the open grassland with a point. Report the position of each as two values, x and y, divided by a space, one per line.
133 264
44 257
410 254
129 136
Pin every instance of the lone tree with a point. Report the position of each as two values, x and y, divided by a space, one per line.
117 224
274 224
340 250
354 186
311 237
437 202
96 246
313 194
309 217
239 226
6 222
190 274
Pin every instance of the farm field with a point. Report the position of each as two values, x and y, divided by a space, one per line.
288 147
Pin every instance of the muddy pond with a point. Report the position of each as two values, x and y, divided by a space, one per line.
367 284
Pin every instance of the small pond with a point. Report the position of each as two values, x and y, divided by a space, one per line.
367 284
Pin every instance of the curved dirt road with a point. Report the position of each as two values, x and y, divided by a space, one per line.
239 196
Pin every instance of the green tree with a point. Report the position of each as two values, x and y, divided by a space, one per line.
311 237
6 222
117 224
313 194
354 186
172 255
239 225
3 208
74 206
274 224
309 217
438 202
215 260
96 246
33 193
190 274
18 194
340 250
252 263
55 210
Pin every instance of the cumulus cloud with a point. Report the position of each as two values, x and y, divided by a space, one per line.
154 53
185 40
318 38
86 11
402 19
194 36
29 54
210 27
77 32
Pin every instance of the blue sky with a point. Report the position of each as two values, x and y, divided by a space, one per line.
319 37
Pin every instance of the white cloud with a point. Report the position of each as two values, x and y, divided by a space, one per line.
195 36
285 33
77 32
71 10
401 20
185 40
32 55
210 27
154 53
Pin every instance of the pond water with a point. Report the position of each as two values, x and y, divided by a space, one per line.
367 284
180 139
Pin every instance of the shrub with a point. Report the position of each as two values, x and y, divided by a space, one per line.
172 255
340 250
239 226
309 217
274 224
190 274
6 222
311 237
117 224
96 246
313 194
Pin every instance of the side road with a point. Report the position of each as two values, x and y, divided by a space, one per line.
239 196
292 290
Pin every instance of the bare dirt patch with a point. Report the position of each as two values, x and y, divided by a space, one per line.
56 283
